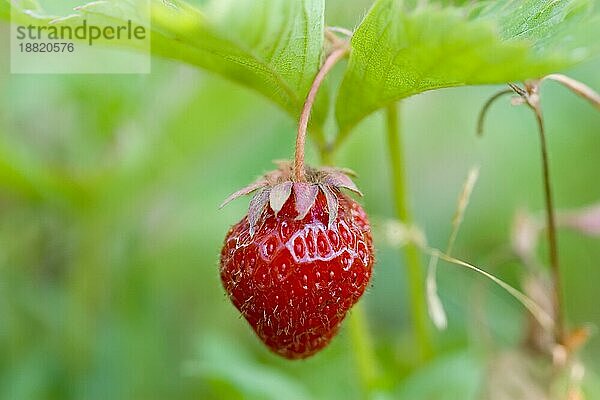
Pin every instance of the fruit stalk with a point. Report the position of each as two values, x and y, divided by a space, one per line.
411 252
336 55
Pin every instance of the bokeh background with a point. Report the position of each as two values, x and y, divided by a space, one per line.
110 234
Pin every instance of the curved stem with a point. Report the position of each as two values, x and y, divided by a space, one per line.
543 318
530 96
486 107
336 55
411 252
576 87
551 228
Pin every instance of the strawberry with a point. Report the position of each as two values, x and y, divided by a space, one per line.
299 260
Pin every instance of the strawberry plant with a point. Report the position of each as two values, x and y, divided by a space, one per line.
301 258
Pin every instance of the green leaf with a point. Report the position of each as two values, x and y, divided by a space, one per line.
397 52
272 46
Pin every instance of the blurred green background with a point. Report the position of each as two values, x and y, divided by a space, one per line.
110 234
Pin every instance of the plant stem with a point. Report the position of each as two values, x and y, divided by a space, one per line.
411 252
551 228
362 348
530 96
486 107
336 55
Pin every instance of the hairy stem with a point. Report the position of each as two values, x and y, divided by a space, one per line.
336 55
411 252
551 228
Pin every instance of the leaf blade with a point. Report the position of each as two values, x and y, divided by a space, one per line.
397 53
279 64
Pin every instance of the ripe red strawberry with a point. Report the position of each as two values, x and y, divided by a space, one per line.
299 260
